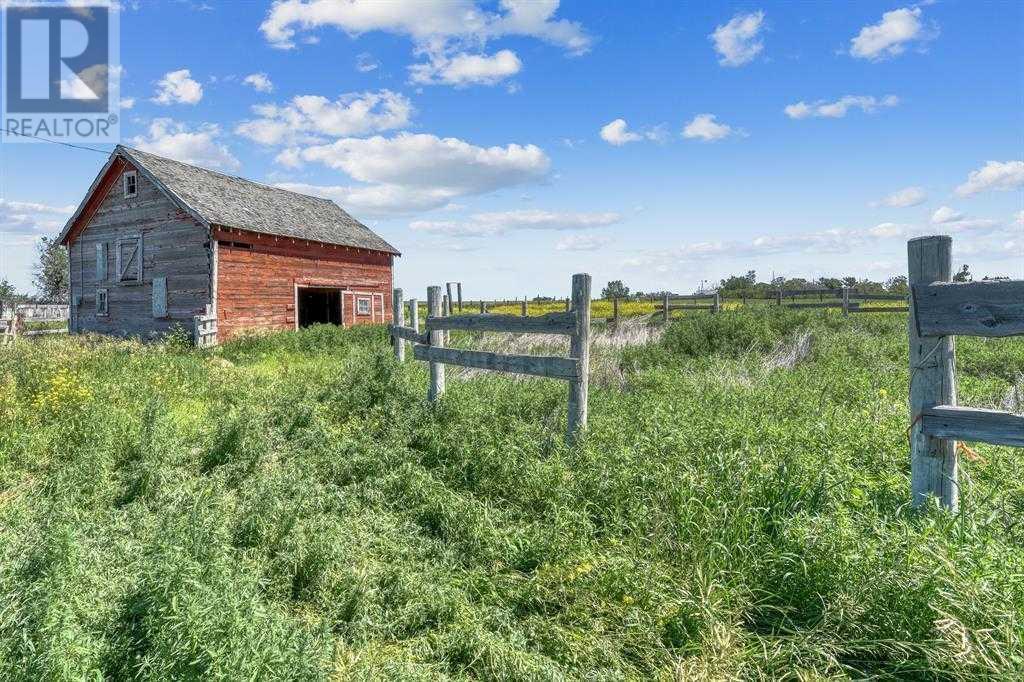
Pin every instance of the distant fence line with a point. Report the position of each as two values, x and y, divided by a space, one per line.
430 346
42 312
849 300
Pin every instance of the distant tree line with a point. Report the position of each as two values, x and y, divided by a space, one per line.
739 286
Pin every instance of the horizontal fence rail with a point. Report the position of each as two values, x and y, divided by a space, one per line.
992 309
551 323
973 424
535 365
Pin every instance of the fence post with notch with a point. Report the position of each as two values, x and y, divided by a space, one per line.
933 461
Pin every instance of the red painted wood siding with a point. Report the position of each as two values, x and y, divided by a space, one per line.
256 286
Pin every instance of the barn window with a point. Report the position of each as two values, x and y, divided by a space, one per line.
129 259
101 302
363 306
131 184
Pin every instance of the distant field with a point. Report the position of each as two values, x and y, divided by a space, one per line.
291 507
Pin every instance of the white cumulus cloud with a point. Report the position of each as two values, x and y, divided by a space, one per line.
945 214
705 127
365 63
737 42
21 222
310 116
259 82
503 222
466 69
199 146
908 196
464 21
838 108
582 242
408 173
177 87
616 133
890 36
994 175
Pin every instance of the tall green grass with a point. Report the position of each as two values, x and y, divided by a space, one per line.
290 507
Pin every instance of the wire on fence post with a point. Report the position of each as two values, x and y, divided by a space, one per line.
398 320
436 339
934 471
579 348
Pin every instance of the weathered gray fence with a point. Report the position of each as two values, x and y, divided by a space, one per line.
667 305
204 329
941 309
42 312
430 346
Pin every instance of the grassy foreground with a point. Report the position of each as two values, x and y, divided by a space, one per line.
289 507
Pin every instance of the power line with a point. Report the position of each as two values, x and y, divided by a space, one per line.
63 144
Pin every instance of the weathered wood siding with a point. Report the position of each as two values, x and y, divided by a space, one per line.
174 246
257 277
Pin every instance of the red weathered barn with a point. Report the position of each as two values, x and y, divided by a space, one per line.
157 242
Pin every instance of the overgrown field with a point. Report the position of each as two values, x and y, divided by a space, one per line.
290 507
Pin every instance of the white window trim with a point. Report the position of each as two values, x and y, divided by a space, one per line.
105 310
124 184
360 300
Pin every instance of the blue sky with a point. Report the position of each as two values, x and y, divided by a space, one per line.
509 145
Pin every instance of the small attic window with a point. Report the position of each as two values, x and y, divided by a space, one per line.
131 184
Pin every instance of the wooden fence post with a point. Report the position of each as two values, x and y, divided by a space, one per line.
718 303
458 287
483 307
579 348
523 307
451 297
446 311
846 301
615 311
933 461
414 314
398 319
664 311
567 305
780 297
436 338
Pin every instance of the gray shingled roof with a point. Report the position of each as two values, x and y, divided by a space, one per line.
246 205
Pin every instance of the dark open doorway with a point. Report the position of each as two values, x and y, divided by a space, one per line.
319 306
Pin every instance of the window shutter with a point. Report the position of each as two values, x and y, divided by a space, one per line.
129 259
159 297
101 262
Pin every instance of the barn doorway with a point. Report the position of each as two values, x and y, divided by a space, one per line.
319 306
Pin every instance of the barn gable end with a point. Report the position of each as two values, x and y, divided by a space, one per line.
118 247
